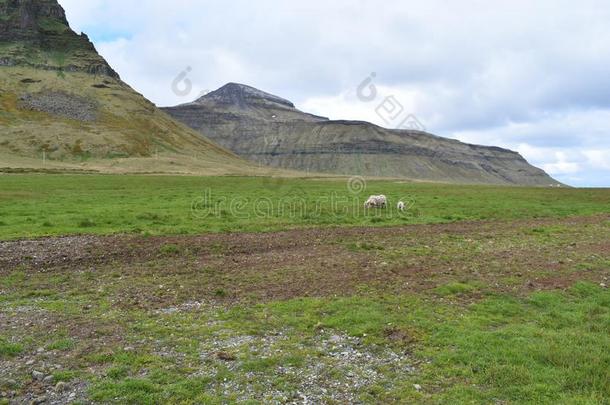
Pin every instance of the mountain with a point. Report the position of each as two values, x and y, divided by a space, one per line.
63 106
36 33
268 129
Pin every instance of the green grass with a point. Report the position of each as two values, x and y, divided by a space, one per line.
65 375
549 347
455 288
61 344
52 25
37 205
9 349
544 348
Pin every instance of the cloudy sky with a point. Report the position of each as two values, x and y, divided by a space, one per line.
523 74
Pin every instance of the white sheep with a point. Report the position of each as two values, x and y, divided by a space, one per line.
401 206
376 201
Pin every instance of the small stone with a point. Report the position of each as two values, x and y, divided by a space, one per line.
39 400
603 285
61 386
37 375
48 379
40 350
335 338
129 349
417 387
29 362
224 356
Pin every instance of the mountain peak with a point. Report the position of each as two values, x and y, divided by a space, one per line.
242 95
24 20
268 130
36 33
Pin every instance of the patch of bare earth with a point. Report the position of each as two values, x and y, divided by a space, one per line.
228 268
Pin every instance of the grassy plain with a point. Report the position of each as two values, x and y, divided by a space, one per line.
474 295
44 205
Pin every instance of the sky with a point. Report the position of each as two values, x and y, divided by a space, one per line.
528 75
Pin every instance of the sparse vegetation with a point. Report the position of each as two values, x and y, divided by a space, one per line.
9 349
61 344
455 288
169 250
52 25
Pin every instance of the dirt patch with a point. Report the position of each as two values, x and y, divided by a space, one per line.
162 272
71 251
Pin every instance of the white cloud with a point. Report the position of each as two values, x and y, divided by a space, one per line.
561 166
598 158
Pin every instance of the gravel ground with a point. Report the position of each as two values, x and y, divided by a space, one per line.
315 381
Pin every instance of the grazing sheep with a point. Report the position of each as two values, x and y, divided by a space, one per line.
401 206
376 201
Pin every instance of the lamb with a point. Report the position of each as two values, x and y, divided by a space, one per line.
376 201
401 206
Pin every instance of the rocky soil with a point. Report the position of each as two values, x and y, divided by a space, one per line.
61 105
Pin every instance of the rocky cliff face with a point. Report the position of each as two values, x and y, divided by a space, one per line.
22 18
36 33
270 130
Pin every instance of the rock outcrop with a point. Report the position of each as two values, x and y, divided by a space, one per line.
36 33
269 130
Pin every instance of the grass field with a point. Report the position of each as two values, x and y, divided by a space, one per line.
43 205
158 295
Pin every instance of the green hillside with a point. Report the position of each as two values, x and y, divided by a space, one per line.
63 106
